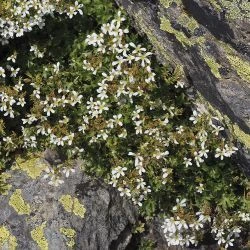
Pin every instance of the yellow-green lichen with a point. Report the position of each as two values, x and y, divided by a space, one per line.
32 166
235 131
38 236
153 39
188 22
242 67
180 36
242 136
72 205
7 241
17 202
215 5
70 234
237 9
199 40
4 186
213 65
168 3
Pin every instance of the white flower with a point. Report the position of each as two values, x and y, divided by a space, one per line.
198 159
180 203
143 58
179 84
12 58
244 216
49 109
140 183
197 225
138 162
123 134
195 117
8 140
67 171
200 188
118 171
217 129
14 71
2 72
179 129
220 153
56 67
229 242
203 218
124 191
203 152
187 162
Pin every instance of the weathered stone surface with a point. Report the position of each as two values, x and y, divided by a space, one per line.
210 40
82 213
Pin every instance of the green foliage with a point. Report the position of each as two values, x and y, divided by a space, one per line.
100 11
146 244
145 137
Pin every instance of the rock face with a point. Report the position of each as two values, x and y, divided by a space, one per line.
82 213
210 41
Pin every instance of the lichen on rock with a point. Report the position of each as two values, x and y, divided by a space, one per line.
4 186
6 239
72 205
17 202
188 22
213 65
70 234
242 136
38 236
241 67
32 166
168 3
180 36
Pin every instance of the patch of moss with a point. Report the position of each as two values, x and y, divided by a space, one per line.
32 166
72 205
213 65
188 22
16 201
7 240
242 67
70 234
38 236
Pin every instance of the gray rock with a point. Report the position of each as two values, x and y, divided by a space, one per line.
96 214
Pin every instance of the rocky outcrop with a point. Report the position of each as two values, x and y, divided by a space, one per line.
210 41
82 213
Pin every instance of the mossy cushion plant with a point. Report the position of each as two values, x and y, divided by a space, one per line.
107 100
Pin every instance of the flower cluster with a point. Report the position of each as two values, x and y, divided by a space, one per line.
24 15
185 228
